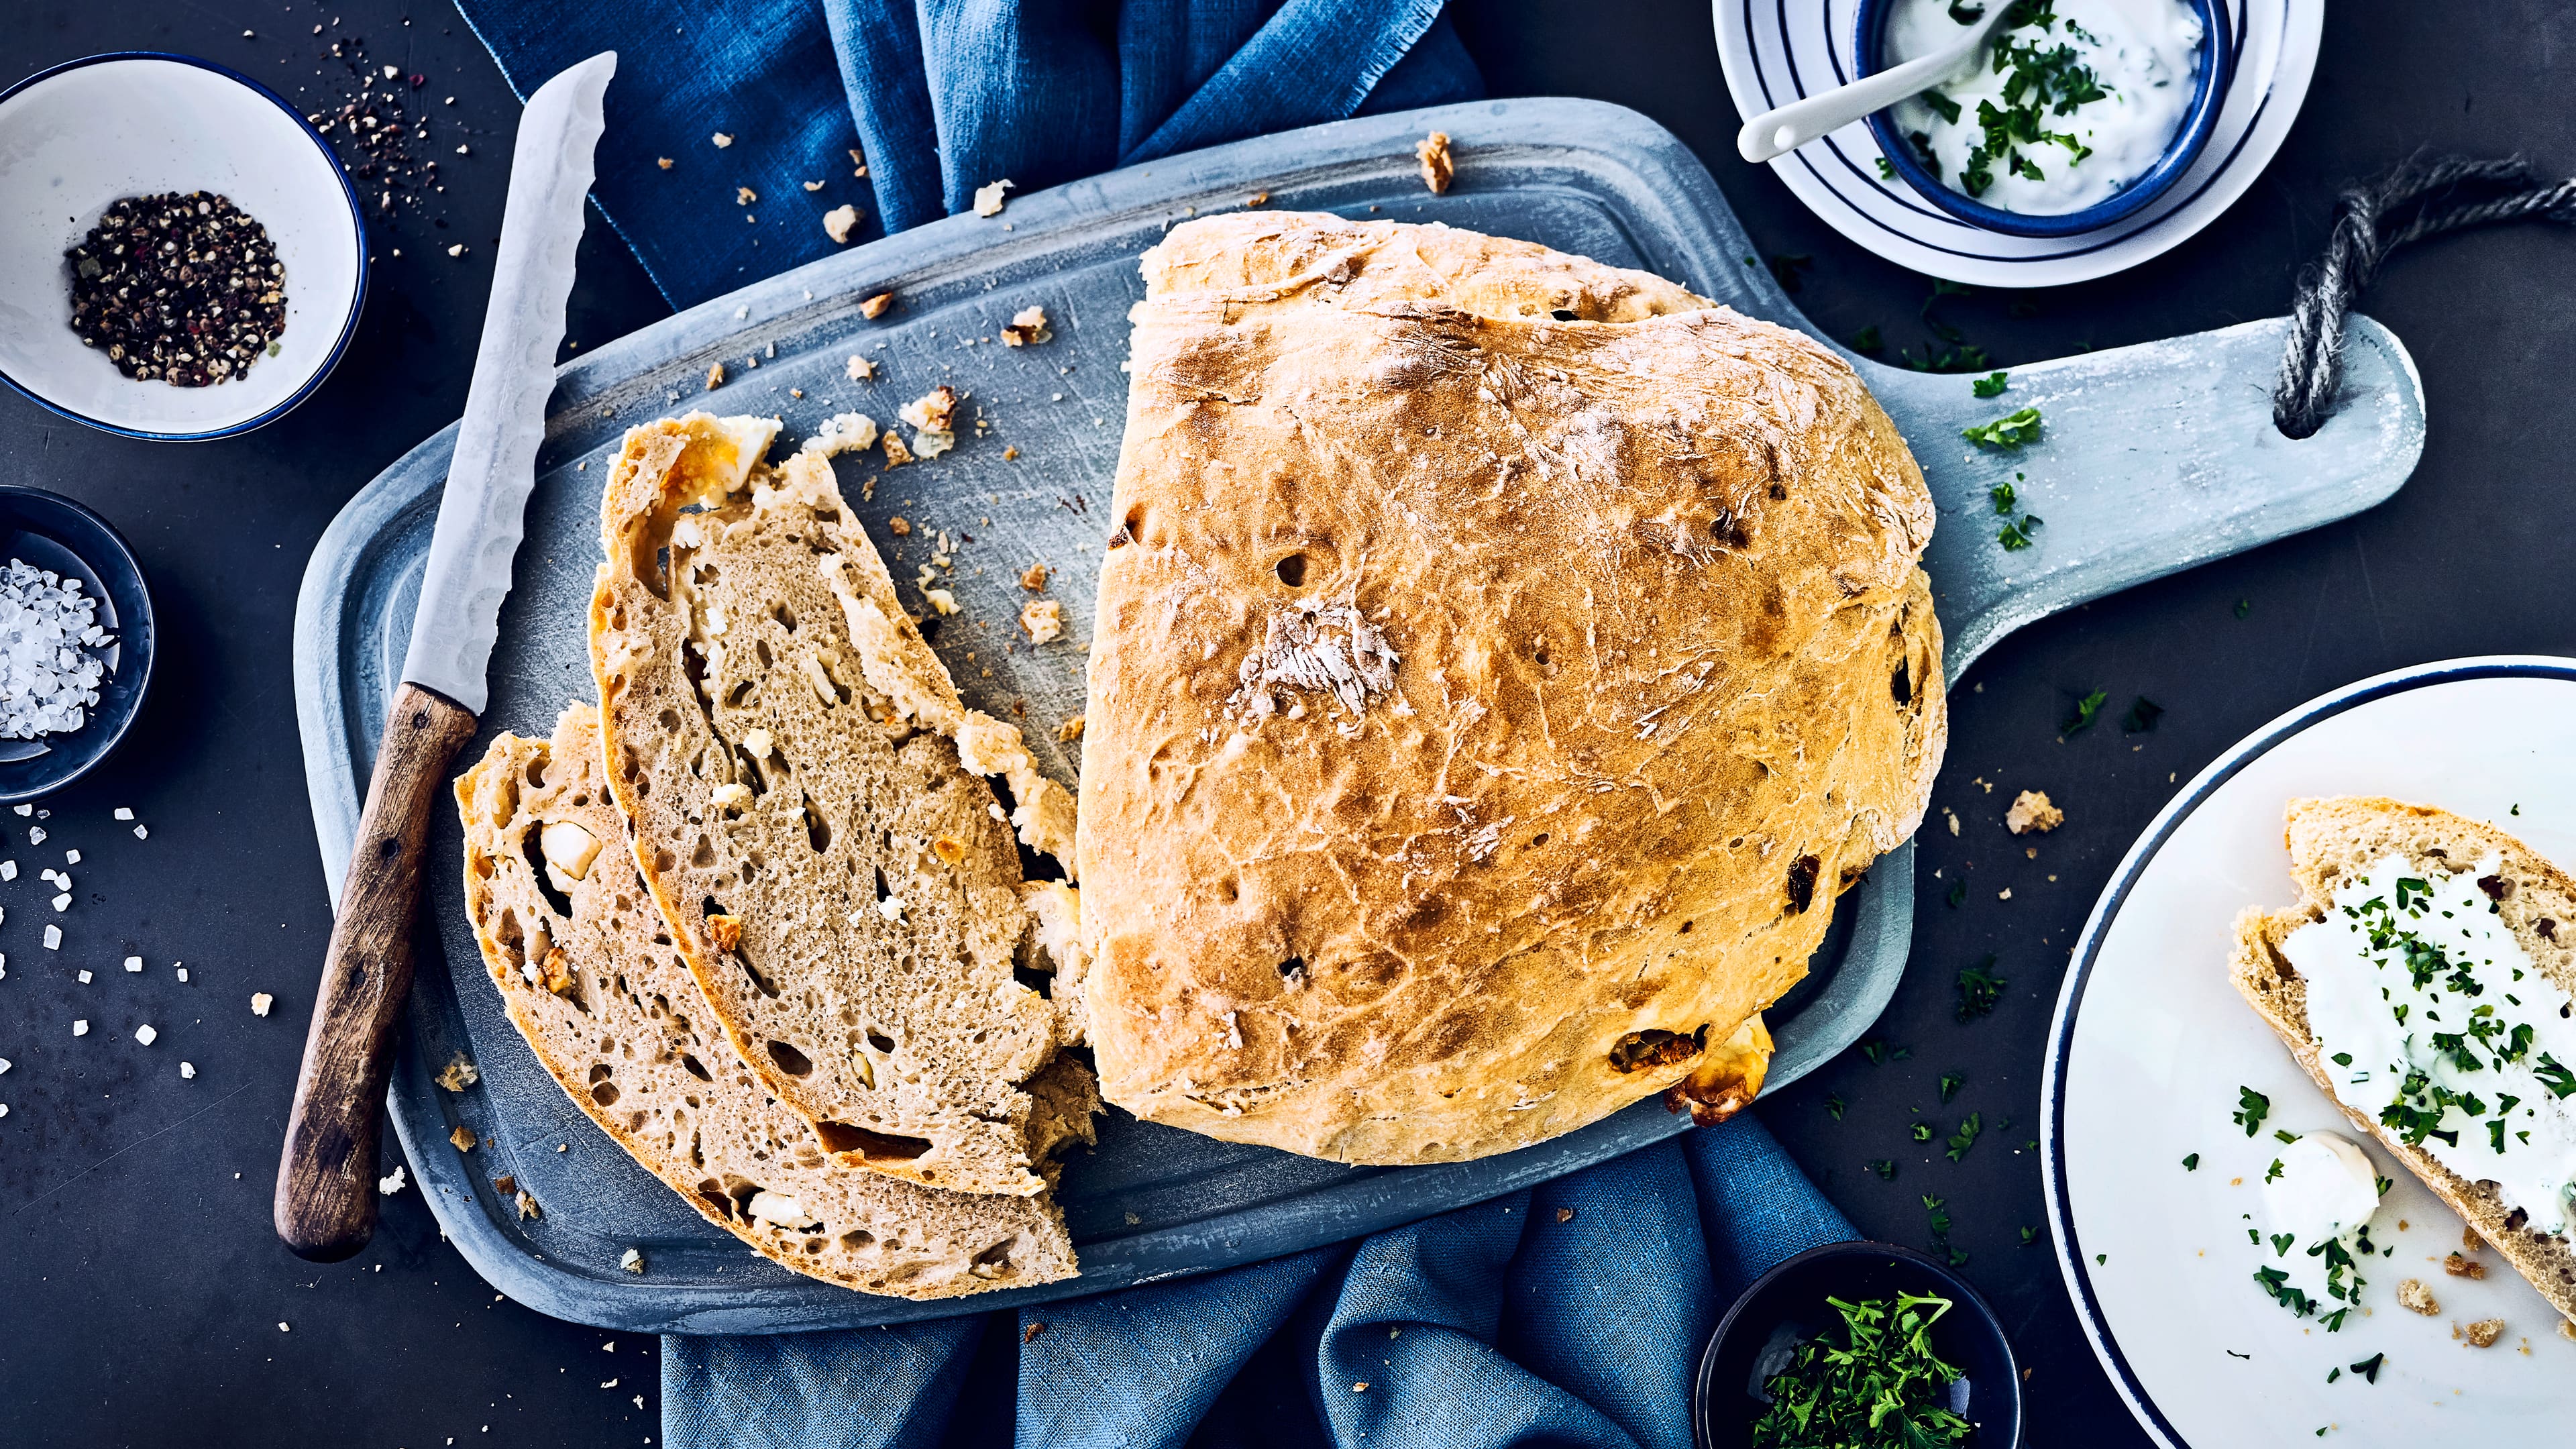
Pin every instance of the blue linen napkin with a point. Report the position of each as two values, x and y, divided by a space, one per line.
939 97
1569 1314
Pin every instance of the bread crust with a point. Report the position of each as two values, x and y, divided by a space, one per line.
2326 838
800 784
627 1038
1486 708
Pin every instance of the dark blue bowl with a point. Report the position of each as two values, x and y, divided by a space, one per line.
1791 1297
2217 67
50 531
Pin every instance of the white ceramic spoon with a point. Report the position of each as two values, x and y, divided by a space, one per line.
1781 131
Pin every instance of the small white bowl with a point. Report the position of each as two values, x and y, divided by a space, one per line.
89 132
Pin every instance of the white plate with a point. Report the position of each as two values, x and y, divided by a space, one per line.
84 134
2151 1043
1776 51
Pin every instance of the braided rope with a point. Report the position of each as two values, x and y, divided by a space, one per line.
2419 198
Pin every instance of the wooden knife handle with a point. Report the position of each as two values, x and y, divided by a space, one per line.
325 1208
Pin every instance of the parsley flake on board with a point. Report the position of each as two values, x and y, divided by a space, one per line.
1980 989
1885 1167
2001 495
1950 1084
2244 607
2251 1108
2015 536
2085 710
1882 1385
1867 339
1834 1108
1880 1053
2030 1237
2007 432
1966 1136
2369 1368
1990 385
1923 1131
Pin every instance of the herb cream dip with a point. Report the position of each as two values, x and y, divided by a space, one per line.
2432 1021
2076 98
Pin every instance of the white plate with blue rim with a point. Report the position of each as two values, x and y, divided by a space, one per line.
1776 51
89 132
2152 1045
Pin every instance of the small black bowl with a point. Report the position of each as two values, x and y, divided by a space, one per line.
52 532
1792 1296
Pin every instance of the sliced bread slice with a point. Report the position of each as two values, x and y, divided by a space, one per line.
590 978
2333 839
799 778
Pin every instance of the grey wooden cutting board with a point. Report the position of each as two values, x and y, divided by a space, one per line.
2154 458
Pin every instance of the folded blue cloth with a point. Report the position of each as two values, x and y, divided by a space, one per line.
939 97
1569 1314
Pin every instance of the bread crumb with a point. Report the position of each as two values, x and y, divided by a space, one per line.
2031 811
260 1001
896 454
2414 1297
1030 1333
1028 326
876 306
941 600
1438 167
528 1206
860 369
391 1183
744 196
899 526
1258 198
2567 1328
463 1137
988 199
459 1074
1070 730
722 140
2483 1333
1565 1215
632 1261
1035 579
662 161
2459 1267
934 411
813 185
1043 619
843 433
715 376
839 222
1953 817
2470 1242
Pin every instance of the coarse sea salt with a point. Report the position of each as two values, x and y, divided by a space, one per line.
48 676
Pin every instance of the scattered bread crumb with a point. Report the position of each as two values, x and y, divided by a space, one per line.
463 1137
1565 1215
1953 817
527 1206
2567 1328
1438 167
1043 619
860 369
933 411
260 1002
2470 1242
941 600
843 433
2031 811
722 140
1258 198
899 526
1028 325
744 196
2481 1334
1035 579
715 376
988 199
876 306
2414 1297
662 161
391 1183
1030 1333
1070 730
813 185
839 222
632 1261
2459 1267
459 1074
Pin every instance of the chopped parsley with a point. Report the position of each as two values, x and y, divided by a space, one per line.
1867 339
2191 1163
1980 989
2085 711
2369 1368
2001 495
2030 1237
1886 169
1990 385
2008 432
2141 717
2244 607
1965 1137
1940 1219
1885 1167
1880 1385
2273 1173
1880 1053
2251 1107
1923 1131
1834 1108
1950 1084
2015 536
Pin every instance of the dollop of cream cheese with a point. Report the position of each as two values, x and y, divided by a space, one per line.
2142 55
2432 1021
2320 1190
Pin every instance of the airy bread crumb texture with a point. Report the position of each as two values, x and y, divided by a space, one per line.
584 965
2332 837
865 974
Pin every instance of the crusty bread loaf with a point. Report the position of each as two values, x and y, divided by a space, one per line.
2330 837
787 751
590 979
1502 663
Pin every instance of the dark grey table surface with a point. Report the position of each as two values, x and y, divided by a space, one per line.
142 1297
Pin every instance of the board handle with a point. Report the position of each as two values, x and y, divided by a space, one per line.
325 1207
2150 460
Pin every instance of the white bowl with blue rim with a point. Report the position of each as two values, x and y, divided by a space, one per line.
2215 64
84 134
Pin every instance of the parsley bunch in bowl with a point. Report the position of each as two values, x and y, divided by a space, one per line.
1881 1387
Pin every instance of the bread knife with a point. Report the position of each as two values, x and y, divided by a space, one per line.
325 1207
